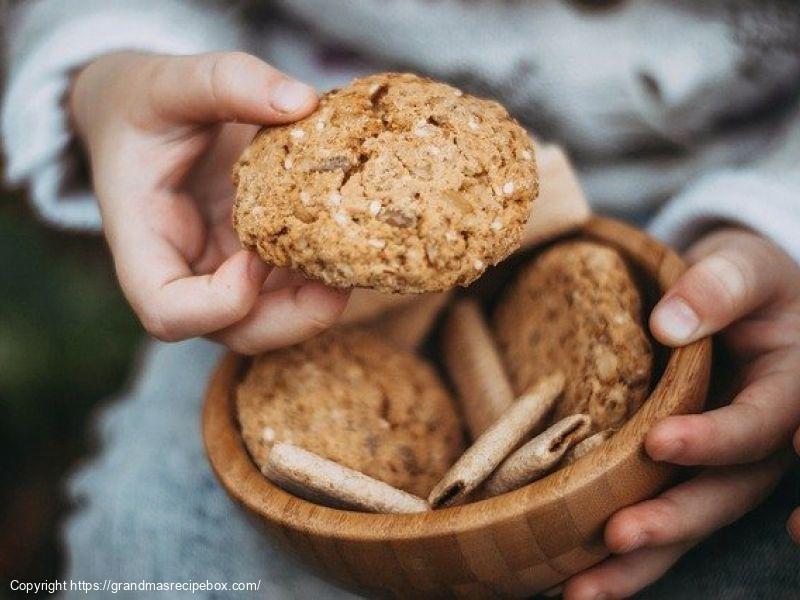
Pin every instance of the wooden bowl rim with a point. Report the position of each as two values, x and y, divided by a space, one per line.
245 483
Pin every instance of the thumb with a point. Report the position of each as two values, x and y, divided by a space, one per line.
227 87
735 273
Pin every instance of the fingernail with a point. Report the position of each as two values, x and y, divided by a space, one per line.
257 270
290 96
677 319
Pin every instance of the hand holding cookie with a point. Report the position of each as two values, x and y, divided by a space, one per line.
161 134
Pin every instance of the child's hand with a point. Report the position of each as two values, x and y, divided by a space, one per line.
162 134
749 289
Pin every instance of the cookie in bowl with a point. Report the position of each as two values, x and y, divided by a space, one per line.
396 183
354 399
576 307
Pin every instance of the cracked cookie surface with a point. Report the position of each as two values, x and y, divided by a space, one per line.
357 400
576 308
396 183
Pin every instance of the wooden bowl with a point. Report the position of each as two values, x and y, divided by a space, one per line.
516 544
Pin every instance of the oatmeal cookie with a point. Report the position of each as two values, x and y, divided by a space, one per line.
356 400
396 183
576 308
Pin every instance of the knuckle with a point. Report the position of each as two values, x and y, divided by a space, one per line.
234 304
758 439
321 316
623 527
233 61
153 100
157 74
731 279
215 74
720 283
220 72
704 432
662 515
695 436
248 350
156 326
762 247
144 100
148 72
236 62
242 345
322 320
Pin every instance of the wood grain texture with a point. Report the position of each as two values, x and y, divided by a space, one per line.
513 545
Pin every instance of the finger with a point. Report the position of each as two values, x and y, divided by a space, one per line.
227 87
191 306
220 243
694 509
794 526
172 303
623 576
765 332
737 277
284 317
758 421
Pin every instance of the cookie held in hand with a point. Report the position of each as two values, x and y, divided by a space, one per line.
352 398
396 183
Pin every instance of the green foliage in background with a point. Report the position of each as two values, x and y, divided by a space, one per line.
65 335
67 341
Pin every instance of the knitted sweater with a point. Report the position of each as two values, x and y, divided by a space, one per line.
686 112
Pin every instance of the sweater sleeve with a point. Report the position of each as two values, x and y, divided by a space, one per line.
764 197
46 40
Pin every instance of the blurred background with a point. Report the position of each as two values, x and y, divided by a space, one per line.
67 343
